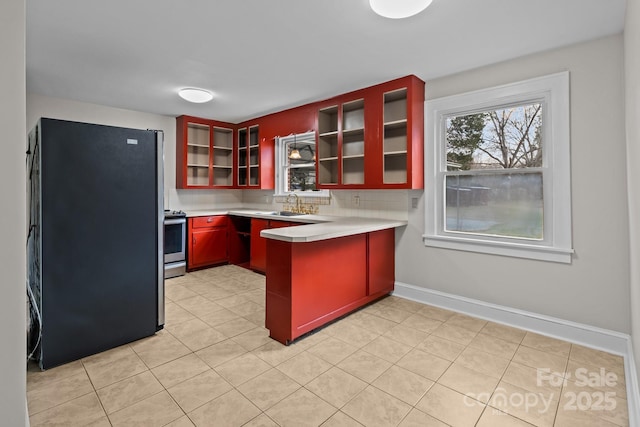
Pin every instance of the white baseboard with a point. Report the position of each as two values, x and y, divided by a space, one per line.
586 335
633 389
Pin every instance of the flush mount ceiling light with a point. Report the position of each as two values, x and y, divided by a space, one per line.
195 95
396 9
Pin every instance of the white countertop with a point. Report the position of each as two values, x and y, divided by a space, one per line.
317 227
339 227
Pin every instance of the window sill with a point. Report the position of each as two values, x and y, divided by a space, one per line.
517 250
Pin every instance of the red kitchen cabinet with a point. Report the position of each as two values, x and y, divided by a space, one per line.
258 247
373 137
204 153
381 263
249 151
312 283
207 237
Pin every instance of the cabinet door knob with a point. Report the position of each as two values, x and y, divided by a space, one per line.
209 219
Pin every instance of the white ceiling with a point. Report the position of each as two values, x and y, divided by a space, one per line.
260 56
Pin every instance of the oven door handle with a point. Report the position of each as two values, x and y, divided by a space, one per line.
175 221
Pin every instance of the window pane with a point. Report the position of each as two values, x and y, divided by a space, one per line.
507 205
300 168
507 138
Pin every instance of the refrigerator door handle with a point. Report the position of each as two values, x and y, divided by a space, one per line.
160 198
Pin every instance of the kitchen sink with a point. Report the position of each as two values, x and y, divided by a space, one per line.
286 213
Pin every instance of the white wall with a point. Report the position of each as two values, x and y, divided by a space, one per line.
594 289
13 225
632 91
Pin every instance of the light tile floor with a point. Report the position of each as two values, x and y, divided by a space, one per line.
395 362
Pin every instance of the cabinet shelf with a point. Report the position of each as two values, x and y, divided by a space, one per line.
332 133
347 132
217 147
353 156
193 144
328 120
395 124
194 165
326 159
395 153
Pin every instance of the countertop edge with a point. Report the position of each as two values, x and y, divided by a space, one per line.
313 228
326 231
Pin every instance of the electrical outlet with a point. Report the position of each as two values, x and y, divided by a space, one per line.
356 200
414 202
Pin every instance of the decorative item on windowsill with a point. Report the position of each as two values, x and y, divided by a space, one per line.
295 153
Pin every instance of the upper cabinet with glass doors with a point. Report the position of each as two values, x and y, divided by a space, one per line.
248 157
372 138
204 154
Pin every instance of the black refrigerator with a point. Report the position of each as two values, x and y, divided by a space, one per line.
95 239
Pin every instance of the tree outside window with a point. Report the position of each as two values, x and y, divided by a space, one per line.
508 201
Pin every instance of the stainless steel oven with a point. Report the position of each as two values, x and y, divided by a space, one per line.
175 238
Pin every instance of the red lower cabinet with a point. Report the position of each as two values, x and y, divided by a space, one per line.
258 248
207 241
381 267
310 284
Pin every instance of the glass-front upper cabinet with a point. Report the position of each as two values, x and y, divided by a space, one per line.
248 156
204 153
394 142
341 152
352 151
372 138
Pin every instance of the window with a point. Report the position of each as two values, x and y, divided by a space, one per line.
498 170
296 165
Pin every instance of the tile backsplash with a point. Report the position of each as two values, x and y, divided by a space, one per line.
390 204
202 199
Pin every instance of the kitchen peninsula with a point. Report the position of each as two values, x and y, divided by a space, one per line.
319 272
322 268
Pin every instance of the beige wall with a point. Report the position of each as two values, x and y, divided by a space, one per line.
594 289
632 91
13 223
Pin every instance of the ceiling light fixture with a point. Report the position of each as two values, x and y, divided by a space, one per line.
195 95
396 9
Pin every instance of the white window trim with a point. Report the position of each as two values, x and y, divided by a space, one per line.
281 161
553 91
